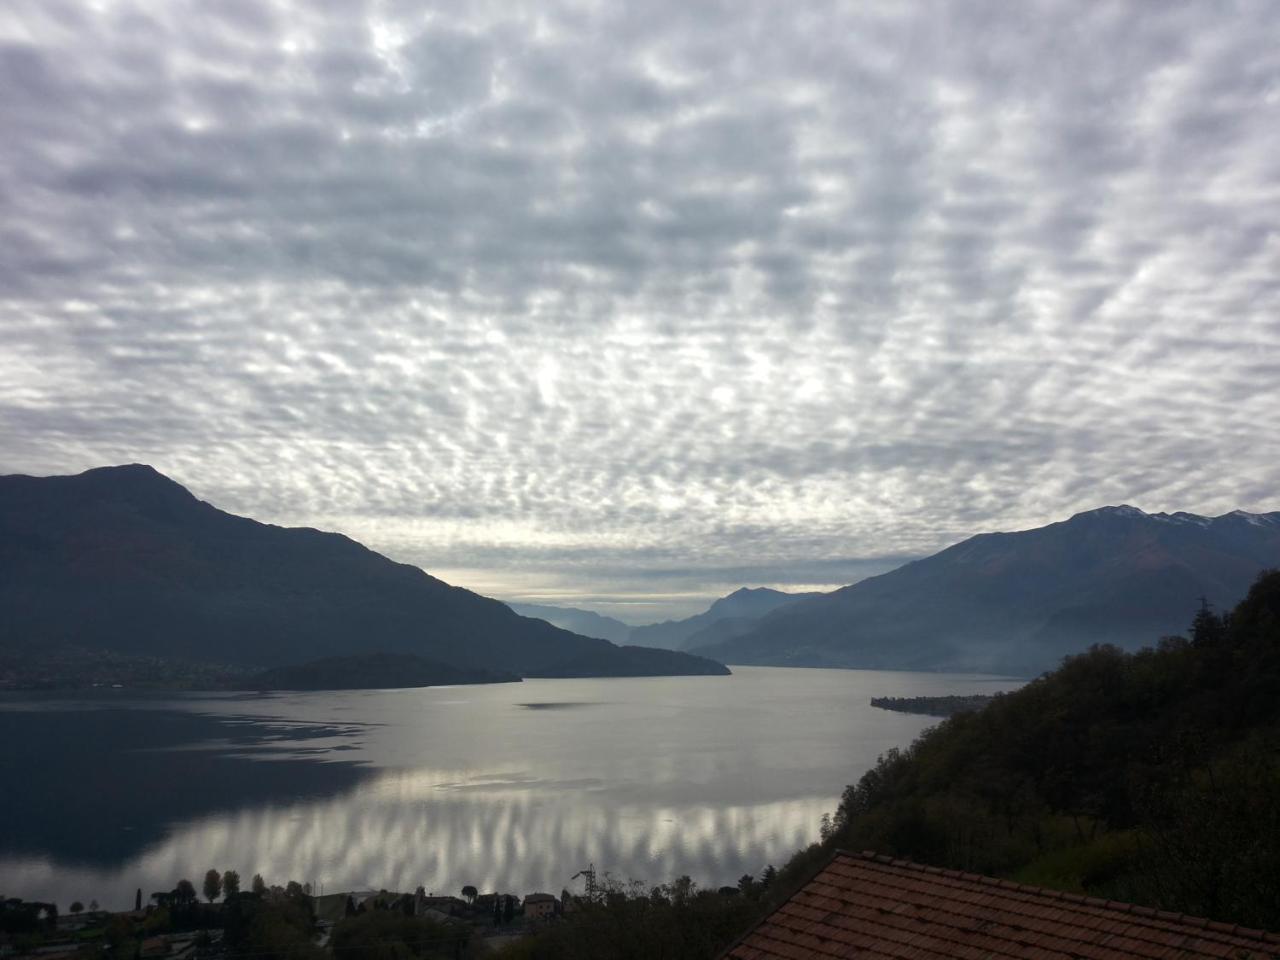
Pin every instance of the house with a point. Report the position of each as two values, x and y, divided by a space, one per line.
875 907
332 907
447 906
539 906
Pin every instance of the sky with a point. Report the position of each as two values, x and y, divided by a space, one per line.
625 305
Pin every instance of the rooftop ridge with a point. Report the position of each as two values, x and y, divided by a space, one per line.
1115 906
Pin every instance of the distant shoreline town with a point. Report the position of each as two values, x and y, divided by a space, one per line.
293 921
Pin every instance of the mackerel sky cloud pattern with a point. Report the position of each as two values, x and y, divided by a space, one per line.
624 305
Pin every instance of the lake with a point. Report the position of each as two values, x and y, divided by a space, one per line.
514 787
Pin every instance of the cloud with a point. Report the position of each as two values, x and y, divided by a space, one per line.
614 301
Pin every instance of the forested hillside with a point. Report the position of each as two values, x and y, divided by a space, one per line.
1151 777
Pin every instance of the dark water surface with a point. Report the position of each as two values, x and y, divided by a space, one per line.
510 786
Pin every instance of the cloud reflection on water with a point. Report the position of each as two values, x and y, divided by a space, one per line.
422 827
710 776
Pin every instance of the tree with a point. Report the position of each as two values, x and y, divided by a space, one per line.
184 893
93 906
508 908
1207 628
137 900
470 893
77 906
212 885
390 935
230 883
259 886
682 890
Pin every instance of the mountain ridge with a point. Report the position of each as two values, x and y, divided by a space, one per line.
586 623
733 612
124 558
1017 601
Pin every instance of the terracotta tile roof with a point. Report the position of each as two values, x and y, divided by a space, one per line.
871 907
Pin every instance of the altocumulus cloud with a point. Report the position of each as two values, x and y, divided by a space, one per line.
634 302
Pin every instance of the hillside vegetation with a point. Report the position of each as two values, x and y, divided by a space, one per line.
1151 777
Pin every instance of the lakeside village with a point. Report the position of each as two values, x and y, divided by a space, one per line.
291 923
177 925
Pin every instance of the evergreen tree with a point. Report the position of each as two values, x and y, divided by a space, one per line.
230 884
1207 629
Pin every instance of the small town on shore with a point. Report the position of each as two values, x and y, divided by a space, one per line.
290 920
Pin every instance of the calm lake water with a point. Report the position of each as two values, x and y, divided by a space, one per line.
513 786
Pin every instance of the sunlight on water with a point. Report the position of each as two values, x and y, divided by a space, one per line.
513 787
394 838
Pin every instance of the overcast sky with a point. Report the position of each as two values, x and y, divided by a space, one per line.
625 305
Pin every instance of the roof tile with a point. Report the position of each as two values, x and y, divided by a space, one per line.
873 907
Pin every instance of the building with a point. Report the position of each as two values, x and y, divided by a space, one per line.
443 906
872 907
332 907
539 906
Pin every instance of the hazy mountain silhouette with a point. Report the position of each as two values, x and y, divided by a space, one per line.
584 622
1017 602
123 558
728 616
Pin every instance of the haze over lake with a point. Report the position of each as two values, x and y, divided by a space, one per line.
512 786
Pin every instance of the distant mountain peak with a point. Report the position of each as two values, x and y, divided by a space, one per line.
1120 510
134 475
749 592
1129 512
127 471
743 605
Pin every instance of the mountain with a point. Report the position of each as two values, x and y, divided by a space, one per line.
125 559
584 622
375 671
732 615
632 662
1017 602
